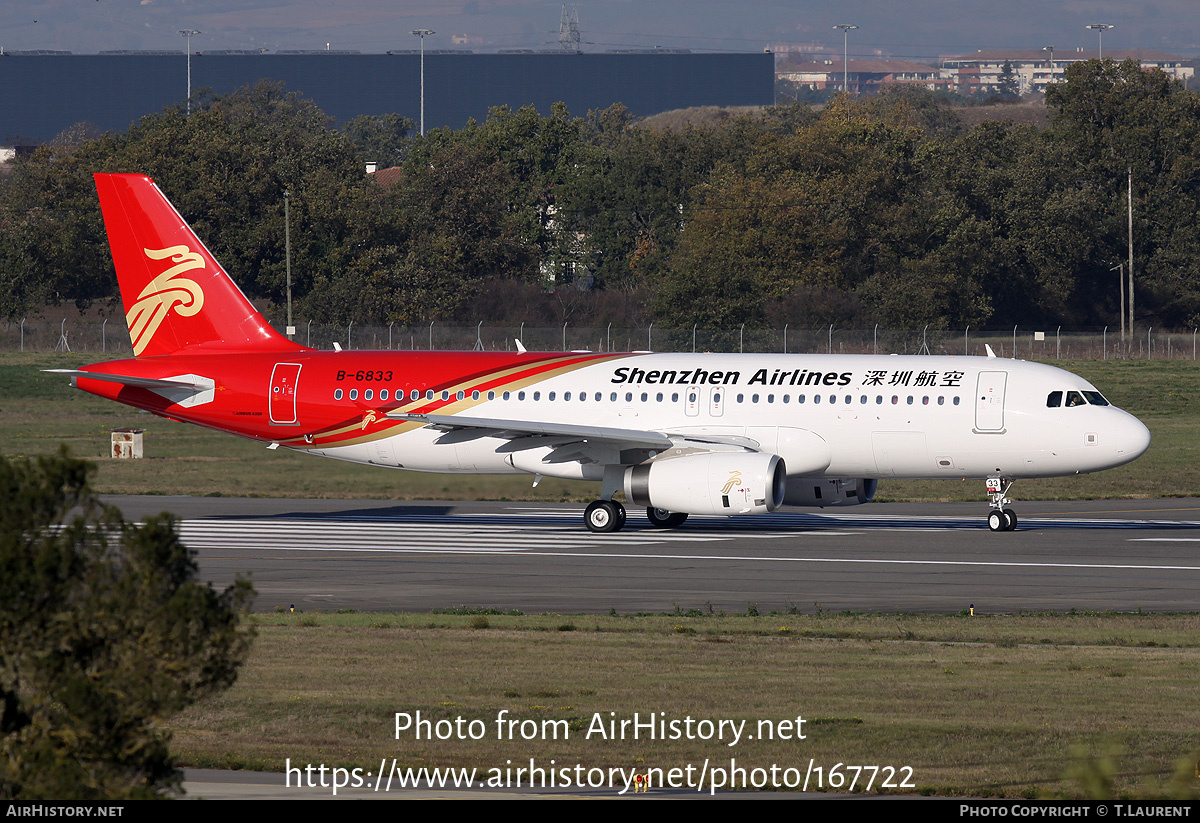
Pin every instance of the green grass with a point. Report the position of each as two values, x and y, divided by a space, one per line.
1014 706
38 411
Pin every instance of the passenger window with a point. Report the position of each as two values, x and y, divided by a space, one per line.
475 395
491 395
1074 398
659 397
956 401
645 397
461 395
879 400
550 396
429 394
566 396
628 397
537 395
369 394
787 398
506 395
800 398
770 398
383 395
337 394
613 397
521 395
354 394
600 396
1054 400
445 394
816 398
941 400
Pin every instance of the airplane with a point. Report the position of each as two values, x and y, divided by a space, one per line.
679 434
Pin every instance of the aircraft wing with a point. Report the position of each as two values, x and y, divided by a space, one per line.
516 429
597 444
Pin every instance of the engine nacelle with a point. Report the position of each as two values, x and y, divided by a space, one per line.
710 483
829 491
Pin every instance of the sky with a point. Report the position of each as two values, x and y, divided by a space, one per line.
907 29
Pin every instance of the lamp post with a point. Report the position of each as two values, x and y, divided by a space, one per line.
1100 28
287 245
845 27
422 33
187 34
1051 50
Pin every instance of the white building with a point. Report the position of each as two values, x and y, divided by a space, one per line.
979 73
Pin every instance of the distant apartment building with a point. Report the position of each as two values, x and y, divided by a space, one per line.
862 76
1034 69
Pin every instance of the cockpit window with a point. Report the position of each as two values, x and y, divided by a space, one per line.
1054 400
1074 398
1095 398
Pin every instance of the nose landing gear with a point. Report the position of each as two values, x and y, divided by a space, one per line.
1001 518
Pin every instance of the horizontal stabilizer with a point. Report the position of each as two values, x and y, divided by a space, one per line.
127 380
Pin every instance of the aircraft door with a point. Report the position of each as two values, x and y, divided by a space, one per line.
282 405
989 401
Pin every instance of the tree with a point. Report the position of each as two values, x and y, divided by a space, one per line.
104 634
1009 87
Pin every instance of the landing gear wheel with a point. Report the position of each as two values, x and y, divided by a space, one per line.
604 516
663 519
1002 518
1011 517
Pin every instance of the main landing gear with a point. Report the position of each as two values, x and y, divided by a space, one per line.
609 516
1001 518
604 516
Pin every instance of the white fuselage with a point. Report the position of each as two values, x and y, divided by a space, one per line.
826 415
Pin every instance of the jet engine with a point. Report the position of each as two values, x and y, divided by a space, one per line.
829 491
710 483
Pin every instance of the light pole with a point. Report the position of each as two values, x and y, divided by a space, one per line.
1051 50
422 33
845 27
287 245
1100 28
187 34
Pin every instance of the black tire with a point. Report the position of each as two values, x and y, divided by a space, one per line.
602 516
621 515
1011 517
663 519
997 522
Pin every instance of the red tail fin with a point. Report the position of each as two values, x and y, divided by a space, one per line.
176 294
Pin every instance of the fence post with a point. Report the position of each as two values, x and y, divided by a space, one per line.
390 334
694 338
104 335
431 322
831 338
1104 338
1014 349
22 334
967 340
649 338
1058 344
1149 342
785 325
564 338
348 328
876 344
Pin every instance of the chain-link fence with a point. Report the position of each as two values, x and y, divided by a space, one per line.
1024 342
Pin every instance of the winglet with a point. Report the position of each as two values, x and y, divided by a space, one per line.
988 347
520 346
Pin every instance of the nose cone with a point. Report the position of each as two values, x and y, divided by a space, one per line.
1131 438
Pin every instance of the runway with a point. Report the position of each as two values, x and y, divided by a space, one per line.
535 557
